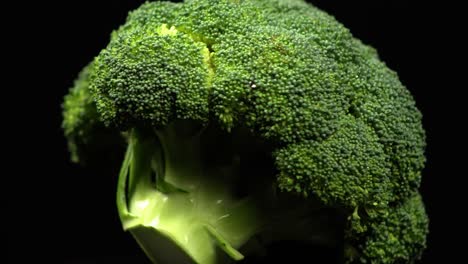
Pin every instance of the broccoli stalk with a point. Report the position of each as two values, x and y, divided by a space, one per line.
180 194
188 207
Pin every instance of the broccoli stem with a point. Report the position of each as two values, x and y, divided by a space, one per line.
189 209
191 199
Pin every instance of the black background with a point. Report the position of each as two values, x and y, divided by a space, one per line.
66 214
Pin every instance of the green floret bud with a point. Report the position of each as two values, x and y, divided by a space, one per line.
348 169
152 74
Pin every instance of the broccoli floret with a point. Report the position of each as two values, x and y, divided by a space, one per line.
250 122
90 142
398 237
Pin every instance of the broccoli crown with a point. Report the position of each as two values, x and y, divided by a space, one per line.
284 69
342 127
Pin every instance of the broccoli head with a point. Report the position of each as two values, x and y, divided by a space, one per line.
249 122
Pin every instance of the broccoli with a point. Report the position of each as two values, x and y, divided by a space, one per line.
249 122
